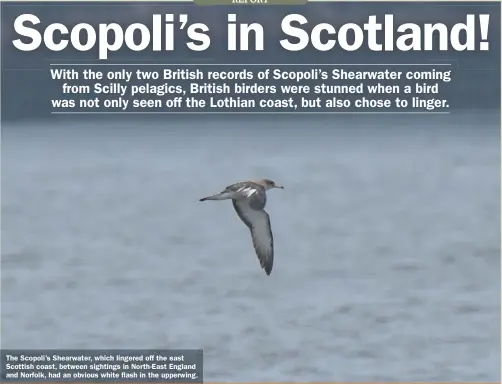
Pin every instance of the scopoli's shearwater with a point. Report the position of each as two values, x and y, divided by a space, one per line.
249 199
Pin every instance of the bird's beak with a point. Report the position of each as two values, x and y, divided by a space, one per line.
279 186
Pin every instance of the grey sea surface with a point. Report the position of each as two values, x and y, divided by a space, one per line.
387 244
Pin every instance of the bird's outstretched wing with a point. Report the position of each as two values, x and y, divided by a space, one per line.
258 222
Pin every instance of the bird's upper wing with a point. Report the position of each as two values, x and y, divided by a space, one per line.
254 194
235 187
258 221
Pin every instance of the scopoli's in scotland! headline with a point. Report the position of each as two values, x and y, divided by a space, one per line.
376 35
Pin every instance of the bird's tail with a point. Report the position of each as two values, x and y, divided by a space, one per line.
219 196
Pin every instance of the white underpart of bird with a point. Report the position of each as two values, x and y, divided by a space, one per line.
249 199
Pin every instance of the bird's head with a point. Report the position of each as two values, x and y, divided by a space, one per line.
269 184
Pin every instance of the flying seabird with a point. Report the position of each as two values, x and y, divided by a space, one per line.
249 199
